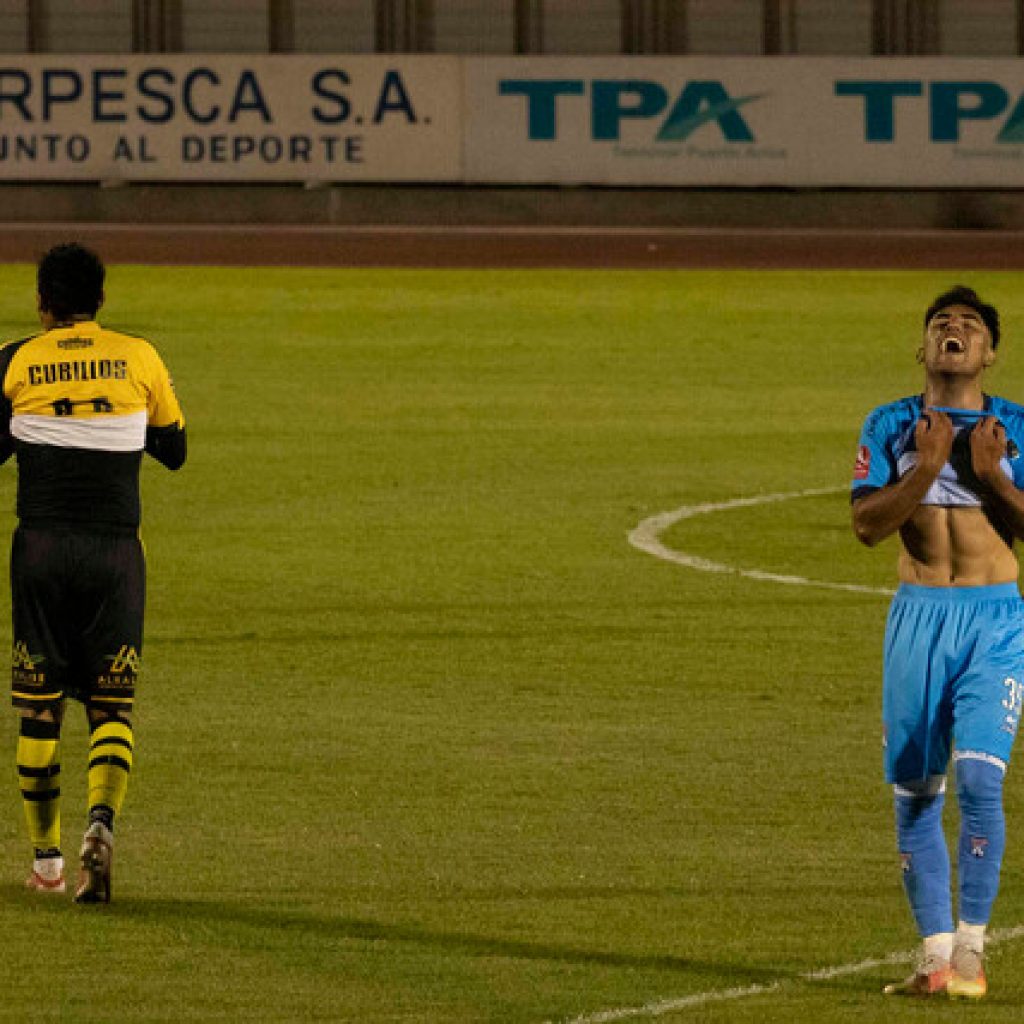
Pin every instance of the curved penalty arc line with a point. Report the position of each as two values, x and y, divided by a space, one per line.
646 536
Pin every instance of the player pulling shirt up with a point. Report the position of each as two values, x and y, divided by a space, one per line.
945 470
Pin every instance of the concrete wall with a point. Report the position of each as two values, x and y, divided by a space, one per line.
528 206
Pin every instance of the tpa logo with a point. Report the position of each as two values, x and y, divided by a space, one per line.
949 105
613 101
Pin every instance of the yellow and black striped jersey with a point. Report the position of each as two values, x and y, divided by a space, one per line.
79 405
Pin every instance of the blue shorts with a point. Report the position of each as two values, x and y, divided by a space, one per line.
953 675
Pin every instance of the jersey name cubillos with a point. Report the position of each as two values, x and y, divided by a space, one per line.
79 370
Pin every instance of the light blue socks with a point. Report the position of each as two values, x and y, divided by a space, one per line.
925 860
979 788
922 846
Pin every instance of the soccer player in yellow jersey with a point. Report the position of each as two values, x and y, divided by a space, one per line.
79 405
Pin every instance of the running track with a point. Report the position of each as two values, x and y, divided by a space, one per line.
587 247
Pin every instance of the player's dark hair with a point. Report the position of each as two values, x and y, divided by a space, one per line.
69 280
961 295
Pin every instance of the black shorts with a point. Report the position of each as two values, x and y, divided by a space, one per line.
78 601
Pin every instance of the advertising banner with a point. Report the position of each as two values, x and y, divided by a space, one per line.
197 117
785 121
633 121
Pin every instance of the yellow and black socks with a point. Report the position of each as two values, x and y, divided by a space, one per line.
38 759
110 763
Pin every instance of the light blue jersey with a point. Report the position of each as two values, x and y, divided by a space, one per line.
887 450
954 656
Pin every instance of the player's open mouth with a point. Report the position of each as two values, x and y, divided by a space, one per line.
952 345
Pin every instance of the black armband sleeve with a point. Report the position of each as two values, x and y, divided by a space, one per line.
167 445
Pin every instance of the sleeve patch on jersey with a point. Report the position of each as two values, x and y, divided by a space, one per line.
862 467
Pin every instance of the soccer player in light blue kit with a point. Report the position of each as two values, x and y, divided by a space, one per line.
945 470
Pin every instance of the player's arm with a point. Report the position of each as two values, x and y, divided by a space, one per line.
6 440
167 445
165 431
880 513
6 409
1002 498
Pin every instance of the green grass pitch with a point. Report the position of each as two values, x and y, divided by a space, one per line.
421 738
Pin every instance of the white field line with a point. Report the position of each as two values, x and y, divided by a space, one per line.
646 536
661 1007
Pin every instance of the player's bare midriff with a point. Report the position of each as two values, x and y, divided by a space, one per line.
954 547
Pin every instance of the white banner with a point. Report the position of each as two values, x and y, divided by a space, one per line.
790 121
163 117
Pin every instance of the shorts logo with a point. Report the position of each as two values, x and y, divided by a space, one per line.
978 845
862 466
21 658
906 862
125 661
124 667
